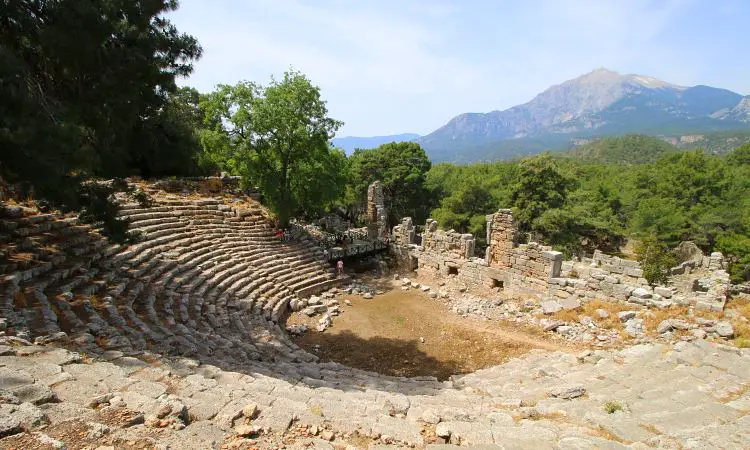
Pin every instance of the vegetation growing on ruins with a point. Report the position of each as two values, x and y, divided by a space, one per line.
655 259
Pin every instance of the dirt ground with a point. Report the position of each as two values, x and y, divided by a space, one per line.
405 333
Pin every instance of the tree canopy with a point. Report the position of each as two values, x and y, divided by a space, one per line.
276 137
402 167
86 90
579 204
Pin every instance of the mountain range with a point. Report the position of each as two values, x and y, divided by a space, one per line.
351 143
599 103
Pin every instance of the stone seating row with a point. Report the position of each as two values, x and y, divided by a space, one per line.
198 282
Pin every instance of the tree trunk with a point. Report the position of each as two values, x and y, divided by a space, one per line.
284 203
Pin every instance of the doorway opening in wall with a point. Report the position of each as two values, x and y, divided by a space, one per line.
413 263
452 270
497 283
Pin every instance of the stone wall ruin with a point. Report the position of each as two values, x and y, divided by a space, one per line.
377 215
452 244
538 270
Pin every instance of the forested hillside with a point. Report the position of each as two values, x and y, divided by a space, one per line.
601 197
628 150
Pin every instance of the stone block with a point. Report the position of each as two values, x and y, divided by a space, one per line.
636 272
598 274
570 304
551 306
552 255
641 293
612 280
724 329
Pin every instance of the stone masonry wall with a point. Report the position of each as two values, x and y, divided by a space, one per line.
537 269
449 243
405 233
533 265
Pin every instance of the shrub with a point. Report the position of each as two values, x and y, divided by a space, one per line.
655 259
612 407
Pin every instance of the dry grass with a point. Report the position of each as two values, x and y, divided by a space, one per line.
735 394
589 309
651 429
95 301
741 325
21 257
210 186
654 317
359 441
51 249
602 432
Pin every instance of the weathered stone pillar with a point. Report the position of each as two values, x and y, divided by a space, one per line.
467 246
555 260
501 238
377 215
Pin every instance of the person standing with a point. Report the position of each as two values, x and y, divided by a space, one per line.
340 268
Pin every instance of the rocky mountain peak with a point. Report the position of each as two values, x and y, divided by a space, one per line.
600 102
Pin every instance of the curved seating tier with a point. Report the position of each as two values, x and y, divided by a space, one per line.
205 279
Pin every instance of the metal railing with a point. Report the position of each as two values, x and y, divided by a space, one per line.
362 248
336 246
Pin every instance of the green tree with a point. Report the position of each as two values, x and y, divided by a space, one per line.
655 259
540 187
402 167
276 138
737 249
636 186
740 156
172 135
85 87
660 217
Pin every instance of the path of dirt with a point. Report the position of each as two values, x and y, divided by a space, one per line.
408 334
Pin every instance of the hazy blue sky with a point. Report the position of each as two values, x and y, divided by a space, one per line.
390 66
